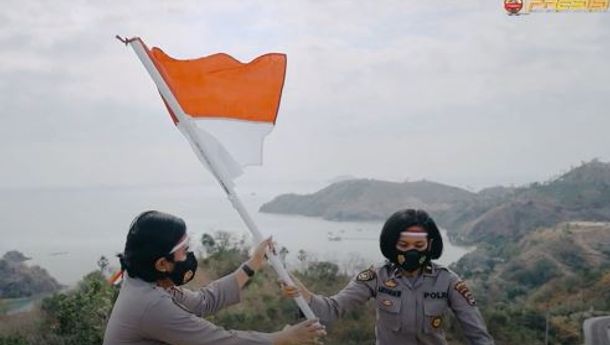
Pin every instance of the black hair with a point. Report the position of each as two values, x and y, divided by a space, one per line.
151 236
399 222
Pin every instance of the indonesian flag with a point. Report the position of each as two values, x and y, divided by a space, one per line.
225 109
223 106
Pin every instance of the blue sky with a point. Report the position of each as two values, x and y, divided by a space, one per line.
454 92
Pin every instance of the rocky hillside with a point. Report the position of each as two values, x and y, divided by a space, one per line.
583 193
493 215
17 279
563 270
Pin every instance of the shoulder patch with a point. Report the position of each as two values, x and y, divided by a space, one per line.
366 275
463 290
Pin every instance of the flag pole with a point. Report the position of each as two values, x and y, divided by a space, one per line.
186 126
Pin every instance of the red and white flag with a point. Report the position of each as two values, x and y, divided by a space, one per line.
226 106
225 109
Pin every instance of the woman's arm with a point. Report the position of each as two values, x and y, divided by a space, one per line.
255 263
167 322
464 307
328 309
222 292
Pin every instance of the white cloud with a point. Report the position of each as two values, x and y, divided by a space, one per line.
457 92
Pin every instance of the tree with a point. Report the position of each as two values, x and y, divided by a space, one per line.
80 316
102 264
208 243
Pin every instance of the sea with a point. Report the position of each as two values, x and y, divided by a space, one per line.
66 230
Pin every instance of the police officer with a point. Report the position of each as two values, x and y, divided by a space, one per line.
412 294
153 308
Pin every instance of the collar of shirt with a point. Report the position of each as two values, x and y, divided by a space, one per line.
139 284
395 272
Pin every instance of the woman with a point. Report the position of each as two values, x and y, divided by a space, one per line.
412 294
152 308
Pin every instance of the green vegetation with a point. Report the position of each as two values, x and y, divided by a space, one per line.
264 309
533 276
75 317
560 274
562 271
79 316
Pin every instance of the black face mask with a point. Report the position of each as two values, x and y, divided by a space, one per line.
412 259
184 271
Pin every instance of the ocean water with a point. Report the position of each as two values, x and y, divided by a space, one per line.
66 230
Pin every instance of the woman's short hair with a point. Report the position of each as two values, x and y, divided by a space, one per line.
151 236
399 222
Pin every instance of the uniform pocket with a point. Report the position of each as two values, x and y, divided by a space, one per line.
388 312
434 317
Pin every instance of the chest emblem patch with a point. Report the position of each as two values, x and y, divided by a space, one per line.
437 321
386 302
391 283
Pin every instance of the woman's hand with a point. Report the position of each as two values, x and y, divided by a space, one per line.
306 332
292 291
259 258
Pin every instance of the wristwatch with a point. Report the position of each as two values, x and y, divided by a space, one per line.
249 271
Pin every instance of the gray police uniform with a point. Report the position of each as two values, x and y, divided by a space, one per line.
146 314
408 312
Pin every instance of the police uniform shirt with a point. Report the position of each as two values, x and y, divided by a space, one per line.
408 312
146 314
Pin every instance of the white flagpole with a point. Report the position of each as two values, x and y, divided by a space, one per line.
187 127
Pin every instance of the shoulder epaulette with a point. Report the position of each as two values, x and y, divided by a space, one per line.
366 275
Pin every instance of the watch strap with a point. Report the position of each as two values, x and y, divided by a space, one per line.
248 270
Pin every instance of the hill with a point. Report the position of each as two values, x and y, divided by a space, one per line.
492 215
20 280
562 270
583 193
366 199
